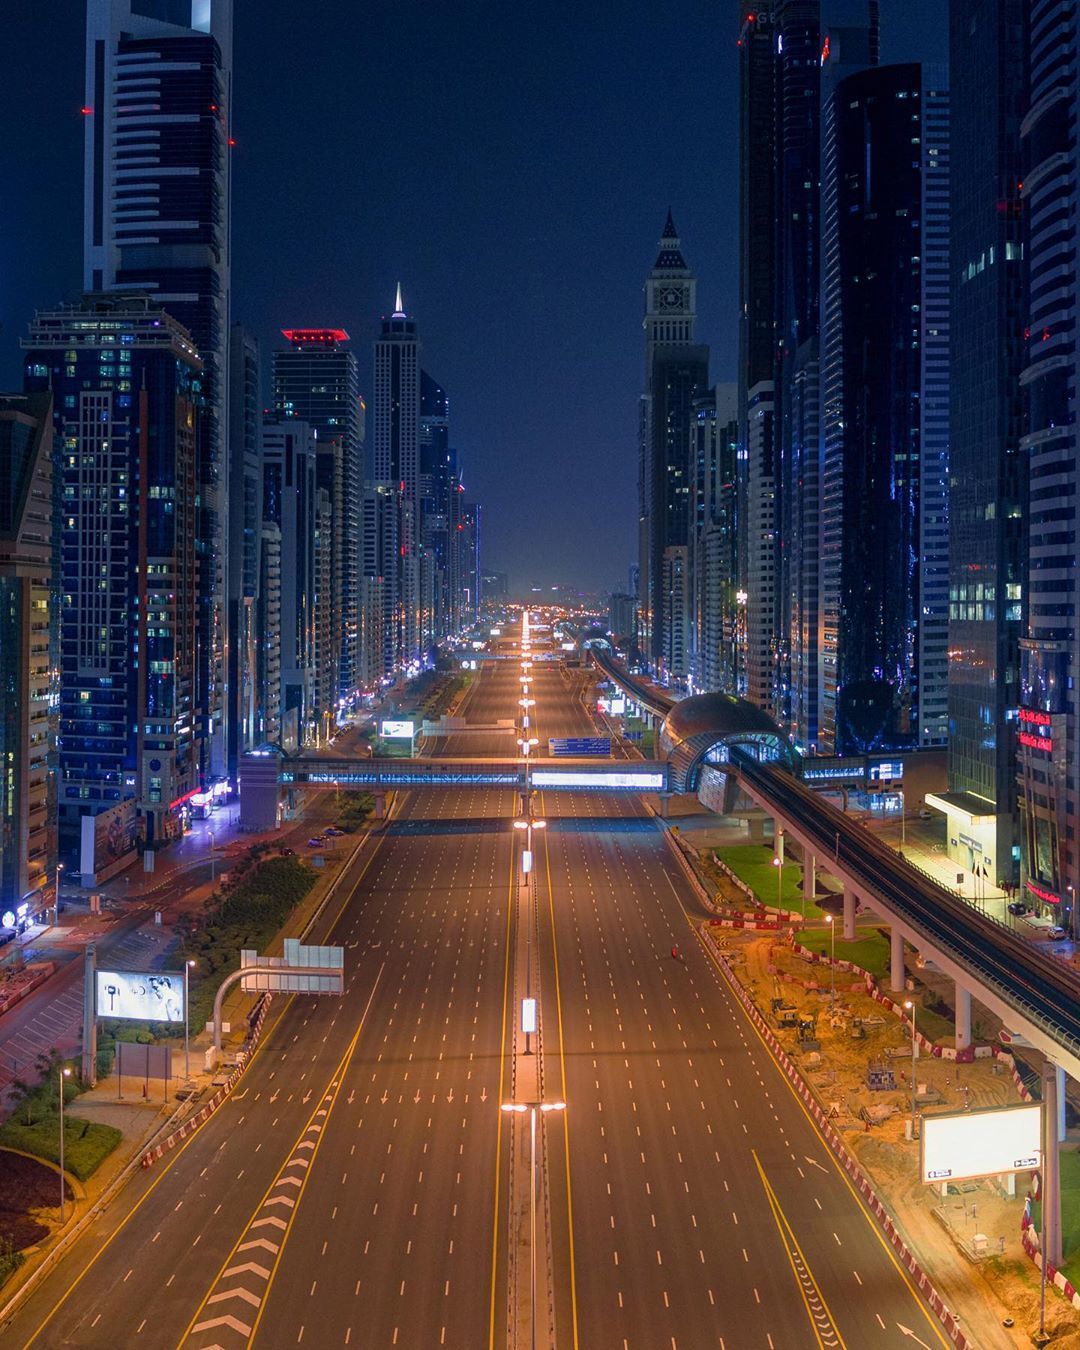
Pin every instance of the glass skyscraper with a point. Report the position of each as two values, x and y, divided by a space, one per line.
158 108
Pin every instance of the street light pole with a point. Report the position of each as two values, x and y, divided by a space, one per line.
520 1108
832 958
213 860
187 1024
65 1072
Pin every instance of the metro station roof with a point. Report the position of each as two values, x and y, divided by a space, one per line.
696 724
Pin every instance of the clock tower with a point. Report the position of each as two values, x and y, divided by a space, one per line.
676 374
670 299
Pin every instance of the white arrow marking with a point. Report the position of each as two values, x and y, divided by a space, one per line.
274 1095
385 1097
248 1265
223 1322
416 1099
248 1297
352 1094
483 1095
907 1331
450 1098
239 1096
306 1097
259 1242
814 1163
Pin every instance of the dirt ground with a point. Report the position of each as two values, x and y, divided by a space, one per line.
1003 1282
27 1189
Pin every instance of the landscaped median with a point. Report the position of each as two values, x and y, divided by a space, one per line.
34 1124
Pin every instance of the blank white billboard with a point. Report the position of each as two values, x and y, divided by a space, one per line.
152 996
970 1144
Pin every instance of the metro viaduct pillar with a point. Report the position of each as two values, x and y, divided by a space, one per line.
850 901
897 971
809 875
963 1018
1051 1169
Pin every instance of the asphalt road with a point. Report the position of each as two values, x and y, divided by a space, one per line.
352 1192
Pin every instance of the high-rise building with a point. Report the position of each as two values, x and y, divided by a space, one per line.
289 502
379 561
622 615
791 53
885 410
28 852
759 623
713 458
127 407
986 463
438 484
471 570
397 469
268 653
158 109
1049 721
676 373
317 379
244 539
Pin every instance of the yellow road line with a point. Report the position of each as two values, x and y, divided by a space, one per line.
502 1078
562 1069
333 1086
175 1157
787 1233
875 1228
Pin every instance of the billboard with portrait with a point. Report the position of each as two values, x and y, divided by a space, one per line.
141 996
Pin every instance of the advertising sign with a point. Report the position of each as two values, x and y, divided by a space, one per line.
108 836
398 731
141 996
964 1145
528 1015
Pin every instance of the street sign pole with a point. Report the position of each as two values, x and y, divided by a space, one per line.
89 1050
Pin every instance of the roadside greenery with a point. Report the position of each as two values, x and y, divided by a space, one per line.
354 809
10 1260
34 1125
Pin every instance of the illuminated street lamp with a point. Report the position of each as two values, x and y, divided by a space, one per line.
520 1108
526 744
910 1005
65 1072
187 1024
778 863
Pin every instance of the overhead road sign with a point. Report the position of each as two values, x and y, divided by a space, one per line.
580 747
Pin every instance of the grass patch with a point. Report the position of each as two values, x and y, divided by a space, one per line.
1070 1214
868 952
86 1143
753 863
354 808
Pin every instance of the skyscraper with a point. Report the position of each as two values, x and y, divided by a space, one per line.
885 401
713 457
759 626
397 469
1049 729
27 655
676 373
438 483
471 570
290 503
128 414
791 54
157 219
244 539
986 464
317 379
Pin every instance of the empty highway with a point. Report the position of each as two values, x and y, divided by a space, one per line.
354 1190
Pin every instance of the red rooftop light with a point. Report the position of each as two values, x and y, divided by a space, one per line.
314 337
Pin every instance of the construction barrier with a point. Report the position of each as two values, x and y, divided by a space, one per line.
205 1112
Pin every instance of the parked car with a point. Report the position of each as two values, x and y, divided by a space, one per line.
6 935
332 832
287 852
1056 933
316 841
1017 907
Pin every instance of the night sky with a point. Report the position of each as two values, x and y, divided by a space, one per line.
511 165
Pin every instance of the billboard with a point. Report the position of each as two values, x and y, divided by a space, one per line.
141 996
398 731
108 837
963 1145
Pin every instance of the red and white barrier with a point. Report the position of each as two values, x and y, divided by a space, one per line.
205 1112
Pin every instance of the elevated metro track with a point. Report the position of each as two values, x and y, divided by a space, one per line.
1036 997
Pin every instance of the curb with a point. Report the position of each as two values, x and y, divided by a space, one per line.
846 1160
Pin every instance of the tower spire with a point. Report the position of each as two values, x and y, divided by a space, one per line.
399 308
